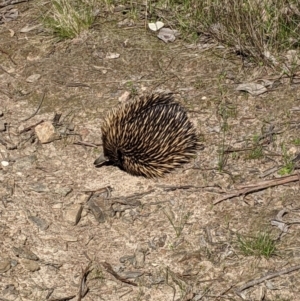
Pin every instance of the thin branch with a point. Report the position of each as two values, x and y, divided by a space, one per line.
31 127
110 270
86 143
83 289
245 189
267 277
38 108
11 2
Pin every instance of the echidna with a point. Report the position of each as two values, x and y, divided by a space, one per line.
149 136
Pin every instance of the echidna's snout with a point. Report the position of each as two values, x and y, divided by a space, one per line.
101 160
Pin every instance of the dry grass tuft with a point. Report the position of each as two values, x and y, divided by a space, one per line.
68 19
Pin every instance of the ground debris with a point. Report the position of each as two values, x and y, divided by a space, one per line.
46 132
248 188
267 277
110 270
23 252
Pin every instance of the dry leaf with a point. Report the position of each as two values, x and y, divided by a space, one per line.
252 88
11 32
28 28
33 78
156 26
167 35
112 55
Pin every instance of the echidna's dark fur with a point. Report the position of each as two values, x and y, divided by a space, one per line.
149 136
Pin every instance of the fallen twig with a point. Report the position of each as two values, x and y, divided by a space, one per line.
63 298
267 277
5 143
77 85
184 187
38 108
86 143
30 127
5 52
245 189
83 289
11 2
110 270
134 196
172 188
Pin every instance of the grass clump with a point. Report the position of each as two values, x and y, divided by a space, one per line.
254 28
289 164
177 224
296 141
257 149
225 111
68 19
260 245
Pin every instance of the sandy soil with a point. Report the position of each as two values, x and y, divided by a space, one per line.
66 226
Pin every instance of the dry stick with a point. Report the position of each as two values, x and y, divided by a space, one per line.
39 106
83 289
11 2
172 188
223 293
86 143
63 298
30 127
9 56
259 186
110 270
77 85
267 277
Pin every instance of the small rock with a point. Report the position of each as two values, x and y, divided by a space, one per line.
24 92
168 34
127 258
63 130
96 210
30 265
39 187
140 256
293 150
158 280
10 291
1 113
69 238
2 126
14 262
4 265
57 206
4 163
131 274
71 127
252 88
23 252
81 198
46 132
24 163
63 191
112 55
41 223
33 78
73 214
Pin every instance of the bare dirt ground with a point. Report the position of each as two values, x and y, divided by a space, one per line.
135 238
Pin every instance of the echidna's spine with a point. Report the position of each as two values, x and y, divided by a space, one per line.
149 136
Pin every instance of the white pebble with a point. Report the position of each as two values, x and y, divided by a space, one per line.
4 163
